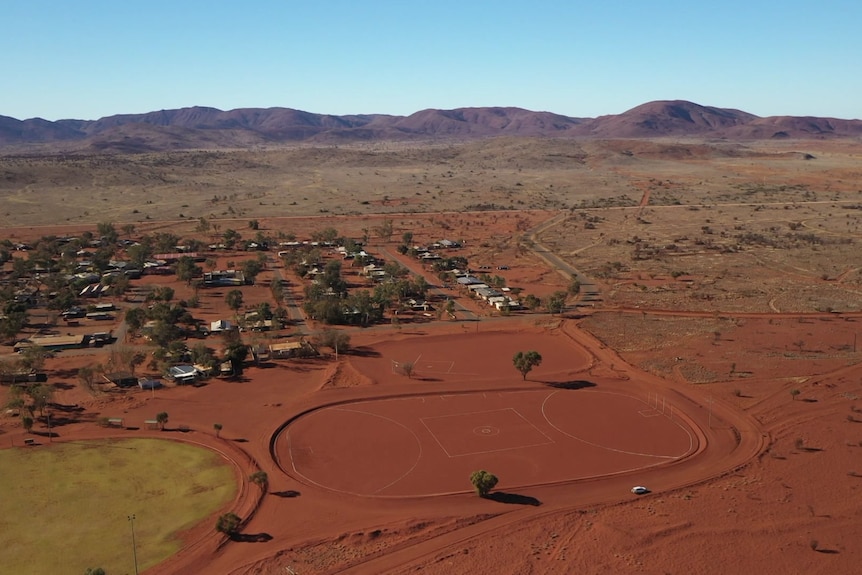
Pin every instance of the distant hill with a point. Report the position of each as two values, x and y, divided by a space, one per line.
201 127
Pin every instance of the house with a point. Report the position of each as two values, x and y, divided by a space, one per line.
220 325
94 290
183 374
225 278
289 349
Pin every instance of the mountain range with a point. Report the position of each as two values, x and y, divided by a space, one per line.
202 127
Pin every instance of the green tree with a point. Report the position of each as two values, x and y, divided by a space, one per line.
525 361
235 352
260 479
218 427
231 237
186 269
27 422
94 571
483 482
33 357
234 299
228 524
40 395
162 419
251 269
107 232
531 302
556 302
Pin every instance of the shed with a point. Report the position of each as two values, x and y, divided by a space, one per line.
121 379
144 383
183 373
220 325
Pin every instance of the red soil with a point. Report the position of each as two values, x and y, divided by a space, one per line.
768 479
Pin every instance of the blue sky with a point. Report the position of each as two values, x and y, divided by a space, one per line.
93 58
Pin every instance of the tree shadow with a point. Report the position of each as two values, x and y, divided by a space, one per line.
828 551
513 499
66 408
251 537
240 440
63 385
44 433
574 384
290 493
809 400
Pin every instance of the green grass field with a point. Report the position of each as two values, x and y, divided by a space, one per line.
65 506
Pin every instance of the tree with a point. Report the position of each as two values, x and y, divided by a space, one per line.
525 361
135 318
33 357
41 395
260 479
794 393
385 230
235 351
408 369
556 302
231 237
162 419
94 571
333 339
27 422
234 299
218 428
483 482
251 269
187 269
228 524
107 232
87 378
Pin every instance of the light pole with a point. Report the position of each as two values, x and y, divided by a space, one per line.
134 547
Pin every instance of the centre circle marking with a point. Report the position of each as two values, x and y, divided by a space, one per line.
486 430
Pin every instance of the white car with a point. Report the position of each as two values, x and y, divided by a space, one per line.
640 490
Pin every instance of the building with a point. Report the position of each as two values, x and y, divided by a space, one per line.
184 374
52 342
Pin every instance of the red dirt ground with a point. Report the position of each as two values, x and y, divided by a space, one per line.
772 487
428 444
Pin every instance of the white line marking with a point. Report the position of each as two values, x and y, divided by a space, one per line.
545 415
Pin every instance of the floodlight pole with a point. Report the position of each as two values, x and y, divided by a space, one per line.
134 547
